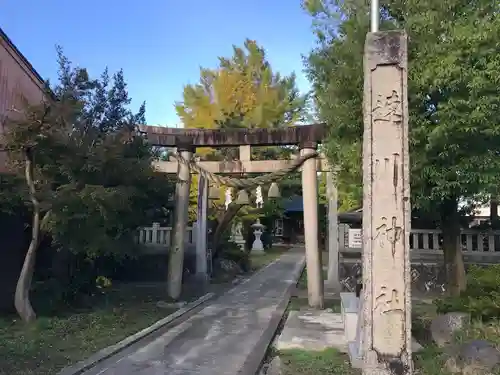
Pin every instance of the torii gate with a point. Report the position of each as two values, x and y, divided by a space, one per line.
306 137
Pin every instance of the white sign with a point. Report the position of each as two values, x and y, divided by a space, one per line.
355 238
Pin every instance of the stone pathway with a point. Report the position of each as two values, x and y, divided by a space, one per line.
228 337
312 330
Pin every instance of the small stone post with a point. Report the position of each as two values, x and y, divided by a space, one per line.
333 281
315 285
201 233
386 208
343 233
176 259
155 230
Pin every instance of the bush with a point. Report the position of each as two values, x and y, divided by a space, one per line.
482 297
67 280
232 251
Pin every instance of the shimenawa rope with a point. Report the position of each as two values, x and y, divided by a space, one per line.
244 183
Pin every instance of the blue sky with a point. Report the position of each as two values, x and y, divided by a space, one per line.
159 44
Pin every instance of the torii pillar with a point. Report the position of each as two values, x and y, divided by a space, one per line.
386 208
315 285
176 254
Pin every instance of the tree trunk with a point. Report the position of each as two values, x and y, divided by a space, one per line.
494 213
22 297
222 224
452 249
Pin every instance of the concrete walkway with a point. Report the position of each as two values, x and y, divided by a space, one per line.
228 337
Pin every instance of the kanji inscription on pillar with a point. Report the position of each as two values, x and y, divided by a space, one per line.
386 206
388 217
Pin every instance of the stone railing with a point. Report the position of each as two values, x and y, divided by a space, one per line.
427 271
429 241
158 236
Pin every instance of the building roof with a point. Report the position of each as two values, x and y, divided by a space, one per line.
21 56
294 204
39 79
354 216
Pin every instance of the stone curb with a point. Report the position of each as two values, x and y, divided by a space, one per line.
258 354
105 353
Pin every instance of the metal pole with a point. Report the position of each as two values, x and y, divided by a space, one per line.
374 16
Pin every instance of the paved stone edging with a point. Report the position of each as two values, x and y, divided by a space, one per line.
107 352
258 354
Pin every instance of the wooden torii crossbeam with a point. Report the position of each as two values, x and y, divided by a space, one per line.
243 165
174 137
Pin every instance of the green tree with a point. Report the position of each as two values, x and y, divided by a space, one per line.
335 69
454 74
90 182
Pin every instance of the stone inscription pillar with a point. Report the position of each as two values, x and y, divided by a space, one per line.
313 257
176 258
386 207
333 281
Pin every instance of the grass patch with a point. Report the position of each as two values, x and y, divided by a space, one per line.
302 284
327 362
477 330
53 342
430 361
258 261
422 315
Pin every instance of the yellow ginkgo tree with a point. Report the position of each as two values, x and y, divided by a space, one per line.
243 91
